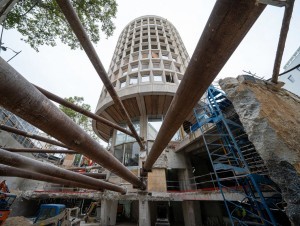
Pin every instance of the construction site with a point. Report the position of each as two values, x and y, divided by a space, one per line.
183 149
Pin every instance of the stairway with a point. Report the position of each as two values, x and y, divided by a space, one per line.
236 164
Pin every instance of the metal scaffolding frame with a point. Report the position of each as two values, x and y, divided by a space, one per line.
231 155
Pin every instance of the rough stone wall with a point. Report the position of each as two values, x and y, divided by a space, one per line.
271 118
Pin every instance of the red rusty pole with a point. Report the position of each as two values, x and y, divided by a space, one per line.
75 24
30 135
95 175
37 150
226 27
13 159
8 171
21 98
76 108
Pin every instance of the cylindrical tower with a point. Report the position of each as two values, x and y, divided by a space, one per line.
147 66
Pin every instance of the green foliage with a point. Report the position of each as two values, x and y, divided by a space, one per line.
83 121
41 22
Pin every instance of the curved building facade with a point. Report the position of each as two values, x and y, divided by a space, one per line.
146 68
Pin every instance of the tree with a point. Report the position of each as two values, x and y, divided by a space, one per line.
83 121
42 22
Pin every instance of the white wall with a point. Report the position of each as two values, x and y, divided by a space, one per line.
292 79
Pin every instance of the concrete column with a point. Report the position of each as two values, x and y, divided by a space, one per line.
109 212
144 213
191 213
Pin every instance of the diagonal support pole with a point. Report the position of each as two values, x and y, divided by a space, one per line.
13 159
76 108
30 135
37 150
74 22
226 27
21 98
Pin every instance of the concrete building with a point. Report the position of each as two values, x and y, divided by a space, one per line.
292 78
203 173
146 69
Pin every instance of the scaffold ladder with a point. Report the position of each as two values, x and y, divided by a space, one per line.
234 159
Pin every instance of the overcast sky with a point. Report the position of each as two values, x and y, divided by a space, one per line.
67 72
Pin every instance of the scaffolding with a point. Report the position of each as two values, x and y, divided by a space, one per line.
236 164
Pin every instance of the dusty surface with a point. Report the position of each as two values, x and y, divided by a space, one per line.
271 118
17 221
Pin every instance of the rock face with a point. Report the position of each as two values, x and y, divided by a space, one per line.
271 118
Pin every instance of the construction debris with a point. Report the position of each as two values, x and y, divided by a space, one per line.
17 221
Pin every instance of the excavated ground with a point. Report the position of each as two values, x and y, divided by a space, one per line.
271 118
17 221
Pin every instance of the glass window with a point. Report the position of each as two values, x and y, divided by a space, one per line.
131 154
118 152
169 78
123 138
145 55
120 137
157 78
163 47
165 56
145 65
133 80
145 78
135 57
167 66
156 64
154 124
177 68
124 71
134 67
154 54
126 60
122 84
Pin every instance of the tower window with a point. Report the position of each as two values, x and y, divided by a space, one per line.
167 65
145 78
124 71
157 78
135 56
145 65
145 55
154 54
134 67
165 56
133 79
122 84
169 78
156 64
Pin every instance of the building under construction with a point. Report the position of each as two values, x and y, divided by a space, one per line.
181 150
